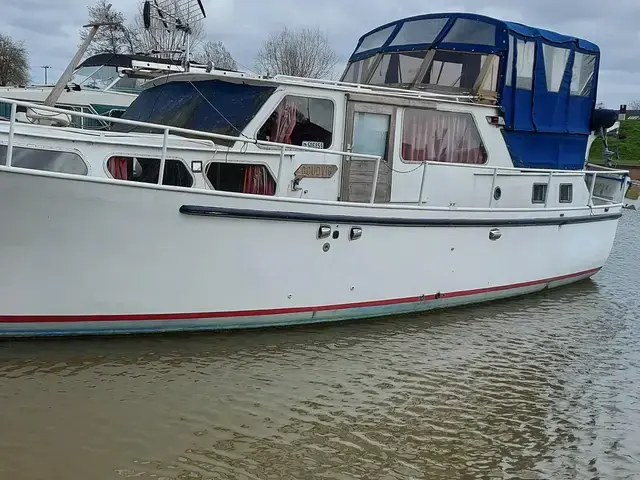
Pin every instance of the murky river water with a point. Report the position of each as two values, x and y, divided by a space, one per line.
539 387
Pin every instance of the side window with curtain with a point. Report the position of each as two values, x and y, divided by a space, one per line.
437 136
147 170
303 121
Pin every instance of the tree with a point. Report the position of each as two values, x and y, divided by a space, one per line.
303 53
111 38
635 105
217 54
14 62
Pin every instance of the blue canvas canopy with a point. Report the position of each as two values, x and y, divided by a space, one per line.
544 82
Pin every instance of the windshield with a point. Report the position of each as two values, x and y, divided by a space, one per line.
98 77
210 106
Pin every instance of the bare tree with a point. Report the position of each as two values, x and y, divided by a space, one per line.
111 38
635 105
304 53
14 62
217 54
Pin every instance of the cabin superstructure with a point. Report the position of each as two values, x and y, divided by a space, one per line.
544 82
455 98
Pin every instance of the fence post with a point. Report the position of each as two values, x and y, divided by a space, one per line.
593 184
546 197
375 180
424 177
280 172
12 125
493 186
163 158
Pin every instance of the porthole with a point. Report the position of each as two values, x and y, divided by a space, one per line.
497 193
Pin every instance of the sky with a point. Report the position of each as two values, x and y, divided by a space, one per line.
49 28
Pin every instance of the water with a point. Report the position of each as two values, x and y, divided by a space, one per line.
538 387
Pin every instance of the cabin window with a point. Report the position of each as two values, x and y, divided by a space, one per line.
95 77
303 121
147 170
371 134
555 63
80 122
437 136
357 71
398 68
566 193
47 160
539 193
375 39
526 54
473 32
212 106
454 69
241 178
129 84
5 110
419 31
582 75
490 81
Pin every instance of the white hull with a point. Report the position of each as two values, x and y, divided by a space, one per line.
89 256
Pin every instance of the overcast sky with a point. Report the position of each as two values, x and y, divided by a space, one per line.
49 28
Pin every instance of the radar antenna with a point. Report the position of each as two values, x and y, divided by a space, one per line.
172 16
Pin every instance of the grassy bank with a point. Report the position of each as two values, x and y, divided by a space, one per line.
628 147
633 193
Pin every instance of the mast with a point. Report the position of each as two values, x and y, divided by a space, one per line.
56 91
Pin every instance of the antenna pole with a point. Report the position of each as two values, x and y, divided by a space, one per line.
186 60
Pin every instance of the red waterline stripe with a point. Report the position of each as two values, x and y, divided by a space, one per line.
275 311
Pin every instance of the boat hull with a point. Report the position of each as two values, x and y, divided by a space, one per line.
89 256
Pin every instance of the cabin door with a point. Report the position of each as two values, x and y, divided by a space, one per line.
370 130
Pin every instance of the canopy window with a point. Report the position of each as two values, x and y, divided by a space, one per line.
544 83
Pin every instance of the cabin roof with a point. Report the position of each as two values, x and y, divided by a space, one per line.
326 85
122 60
460 31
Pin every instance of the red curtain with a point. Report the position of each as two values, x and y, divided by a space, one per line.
285 122
117 167
431 135
257 180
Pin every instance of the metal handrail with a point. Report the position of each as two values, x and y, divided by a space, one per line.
168 129
421 94
495 170
283 149
521 169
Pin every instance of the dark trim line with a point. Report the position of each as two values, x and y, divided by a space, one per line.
204 211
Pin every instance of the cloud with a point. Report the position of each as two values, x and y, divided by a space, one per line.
50 28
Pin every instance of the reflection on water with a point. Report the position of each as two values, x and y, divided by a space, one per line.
538 387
